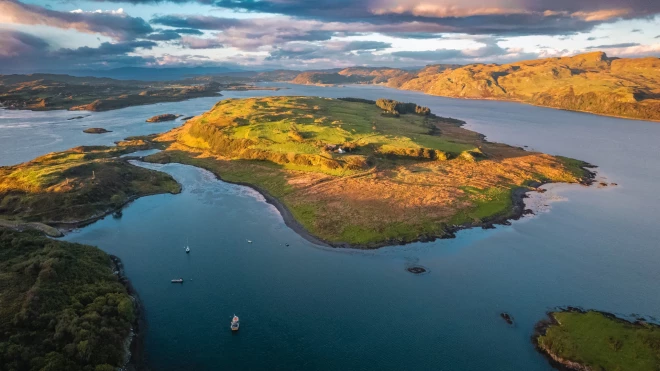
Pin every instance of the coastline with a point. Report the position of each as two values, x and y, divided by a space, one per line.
518 210
544 324
511 100
134 344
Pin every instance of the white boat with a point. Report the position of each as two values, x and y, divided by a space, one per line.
234 323
187 249
177 280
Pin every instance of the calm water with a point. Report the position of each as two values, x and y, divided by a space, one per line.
305 307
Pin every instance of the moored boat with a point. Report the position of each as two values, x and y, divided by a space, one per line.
234 323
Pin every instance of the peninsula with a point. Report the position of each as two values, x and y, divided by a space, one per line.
359 173
75 187
589 340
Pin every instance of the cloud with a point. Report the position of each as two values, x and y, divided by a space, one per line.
165 35
26 53
114 24
614 46
192 42
328 50
14 43
188 31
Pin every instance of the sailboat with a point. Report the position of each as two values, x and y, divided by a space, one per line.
234 323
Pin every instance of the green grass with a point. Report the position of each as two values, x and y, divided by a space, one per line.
62 308
603 343
263 128
76 185
487 203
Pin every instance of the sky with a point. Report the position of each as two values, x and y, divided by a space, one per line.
74 35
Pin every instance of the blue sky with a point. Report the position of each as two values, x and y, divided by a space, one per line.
61 35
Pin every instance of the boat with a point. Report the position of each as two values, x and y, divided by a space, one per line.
249 241
234 323
187 249
177 280
117 214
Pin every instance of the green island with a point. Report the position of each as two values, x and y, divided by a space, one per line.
592 82
76 186
359 173
64 307
589 340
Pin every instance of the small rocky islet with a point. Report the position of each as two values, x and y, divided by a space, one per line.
96 131
163 117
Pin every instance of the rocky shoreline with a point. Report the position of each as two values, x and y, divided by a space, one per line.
134 344
518 210
555 360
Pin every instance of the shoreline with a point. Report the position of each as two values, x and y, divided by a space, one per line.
134 344
544 324
484 99
518 210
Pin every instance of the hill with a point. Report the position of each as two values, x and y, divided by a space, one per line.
589 82
75 186
364 173
50 92
62 306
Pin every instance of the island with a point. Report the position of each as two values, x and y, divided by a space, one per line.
65 306
357 173
163 117
75 187
96 131
574 339
591 82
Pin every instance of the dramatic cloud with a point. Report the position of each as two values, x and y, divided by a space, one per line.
114 24
30 54
329 50
13 44
614 46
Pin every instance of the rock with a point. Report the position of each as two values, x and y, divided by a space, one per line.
528 212
76 118
416 270
163 117
603 184
187 118
507 317
488 226
613 184
96 131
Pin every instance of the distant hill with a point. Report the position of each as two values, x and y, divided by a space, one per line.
154 74
590 82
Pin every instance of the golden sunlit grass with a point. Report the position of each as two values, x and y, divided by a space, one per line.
76 185
383 188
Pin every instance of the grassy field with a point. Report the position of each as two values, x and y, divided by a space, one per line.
62 308
592 82
602 342
351 173
76 185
